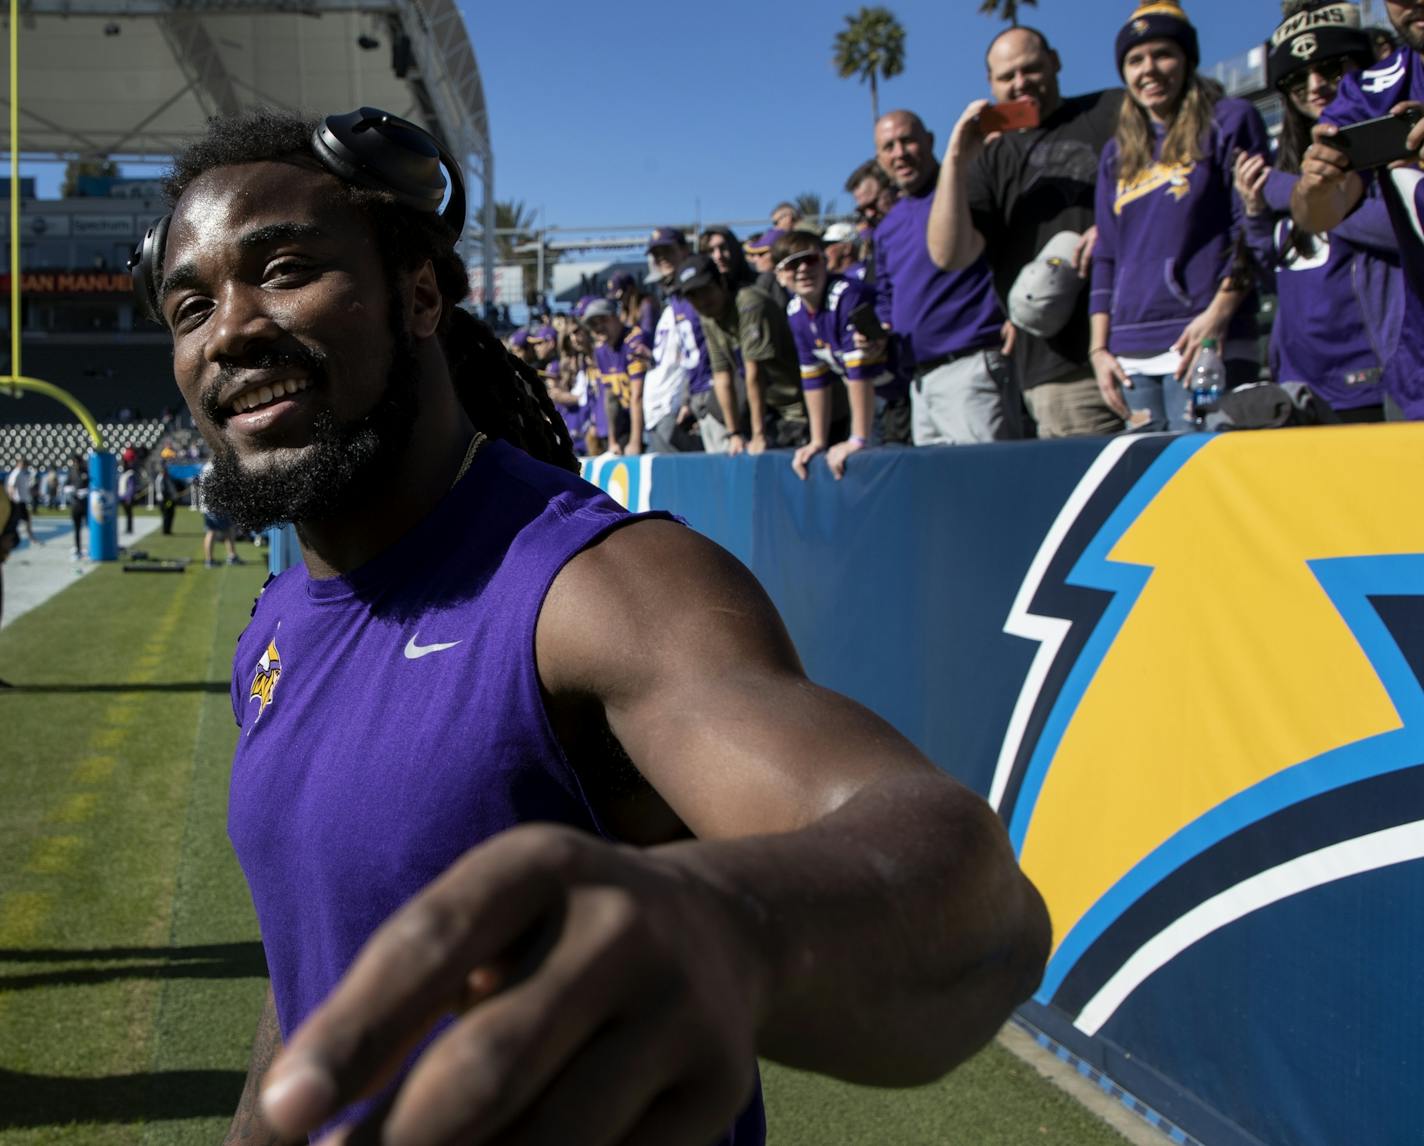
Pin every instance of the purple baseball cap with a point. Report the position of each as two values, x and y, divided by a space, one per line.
581 307
544 334
665 237
519 339
621 281
761 244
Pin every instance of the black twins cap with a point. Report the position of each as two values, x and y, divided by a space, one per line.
1324 31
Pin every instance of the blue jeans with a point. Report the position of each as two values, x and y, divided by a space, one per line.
1167 402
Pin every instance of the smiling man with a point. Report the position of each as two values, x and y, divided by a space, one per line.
527 869
1007 196
948 322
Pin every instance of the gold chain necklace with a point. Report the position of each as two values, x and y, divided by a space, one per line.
475 443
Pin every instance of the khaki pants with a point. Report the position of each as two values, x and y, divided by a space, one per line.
1072 407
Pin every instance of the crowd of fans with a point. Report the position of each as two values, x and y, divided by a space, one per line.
1056 280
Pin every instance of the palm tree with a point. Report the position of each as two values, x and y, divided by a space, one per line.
513 224
514 228
872 47
1005 9
813 208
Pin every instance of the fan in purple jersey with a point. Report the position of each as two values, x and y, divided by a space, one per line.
948 324
547 834
1166 278
1330 190
621 358
830 350
1339 297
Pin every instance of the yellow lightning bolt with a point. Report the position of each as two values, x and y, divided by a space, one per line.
1233 664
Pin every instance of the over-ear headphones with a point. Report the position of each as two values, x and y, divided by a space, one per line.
368 147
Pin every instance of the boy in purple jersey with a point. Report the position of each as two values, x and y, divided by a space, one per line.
1329 189
727 861
621 359
829 346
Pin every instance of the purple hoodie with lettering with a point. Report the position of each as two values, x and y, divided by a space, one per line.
1166 238
1340 297
1365 95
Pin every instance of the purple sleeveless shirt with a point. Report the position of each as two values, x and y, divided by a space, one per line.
391 719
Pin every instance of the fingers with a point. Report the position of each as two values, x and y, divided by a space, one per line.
501 1061
1083 253
1414 110
412 971
1112 395
1010 335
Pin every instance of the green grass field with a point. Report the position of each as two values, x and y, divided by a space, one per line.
130 972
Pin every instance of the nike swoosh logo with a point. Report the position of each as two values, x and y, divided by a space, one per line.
413 651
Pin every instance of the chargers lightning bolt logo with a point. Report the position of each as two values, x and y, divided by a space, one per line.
1221 694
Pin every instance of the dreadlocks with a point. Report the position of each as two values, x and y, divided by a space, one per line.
503 397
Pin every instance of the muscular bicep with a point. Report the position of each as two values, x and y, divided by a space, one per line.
699 681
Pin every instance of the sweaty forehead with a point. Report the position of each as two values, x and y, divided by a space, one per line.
225 202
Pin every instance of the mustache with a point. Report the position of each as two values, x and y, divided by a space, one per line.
311 362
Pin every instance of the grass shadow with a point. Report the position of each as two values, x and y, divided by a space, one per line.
108 964
209 686
34 1100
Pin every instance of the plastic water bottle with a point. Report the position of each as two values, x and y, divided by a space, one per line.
1208 382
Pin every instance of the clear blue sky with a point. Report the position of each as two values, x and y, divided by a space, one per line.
606 113
629 113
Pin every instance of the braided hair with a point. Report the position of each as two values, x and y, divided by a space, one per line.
504 397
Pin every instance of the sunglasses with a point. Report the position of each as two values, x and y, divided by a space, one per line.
1330 72
795 260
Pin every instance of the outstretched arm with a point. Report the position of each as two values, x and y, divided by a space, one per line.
248 1127
847 907
953 241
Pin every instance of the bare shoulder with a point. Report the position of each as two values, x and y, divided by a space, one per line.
661 594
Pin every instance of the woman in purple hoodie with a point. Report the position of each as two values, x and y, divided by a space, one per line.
1339 296
1168 269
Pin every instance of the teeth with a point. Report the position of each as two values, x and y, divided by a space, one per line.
268 393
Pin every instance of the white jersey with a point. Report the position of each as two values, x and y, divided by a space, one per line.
20 485
665 385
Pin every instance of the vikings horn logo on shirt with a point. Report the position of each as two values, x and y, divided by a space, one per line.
265 678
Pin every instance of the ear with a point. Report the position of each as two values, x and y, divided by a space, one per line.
1057 63
424 302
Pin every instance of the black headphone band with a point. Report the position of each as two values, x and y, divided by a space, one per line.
369 147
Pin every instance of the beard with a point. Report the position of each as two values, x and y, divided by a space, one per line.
344 462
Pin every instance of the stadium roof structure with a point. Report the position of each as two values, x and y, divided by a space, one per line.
135 79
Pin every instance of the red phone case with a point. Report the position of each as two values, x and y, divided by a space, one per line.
1016 115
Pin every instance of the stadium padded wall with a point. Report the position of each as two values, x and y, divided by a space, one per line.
1186 670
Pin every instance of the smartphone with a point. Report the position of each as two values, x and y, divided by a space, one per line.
863 320
1375 142
1016 115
